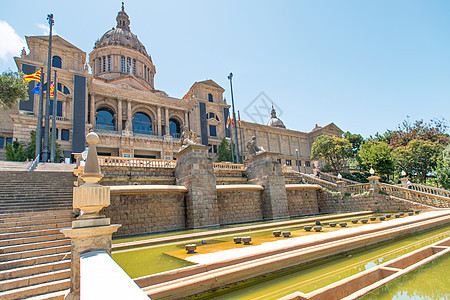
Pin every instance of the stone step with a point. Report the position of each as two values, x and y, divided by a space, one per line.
34 290
44 224
34 269
36 208
5 218
20 203
31 239
27 234
34 246
30 261
35 222
25 281
24 214
59 295
17 196
34 253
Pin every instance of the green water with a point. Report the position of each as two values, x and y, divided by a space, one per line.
313 276
431 281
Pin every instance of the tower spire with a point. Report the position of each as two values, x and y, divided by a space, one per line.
123 21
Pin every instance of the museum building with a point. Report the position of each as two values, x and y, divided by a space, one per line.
118 100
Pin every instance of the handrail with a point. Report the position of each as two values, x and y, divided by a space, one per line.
228 167
416 196
313 180
431 190
35 163
136 162
334 178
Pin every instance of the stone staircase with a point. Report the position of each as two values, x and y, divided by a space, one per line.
34 255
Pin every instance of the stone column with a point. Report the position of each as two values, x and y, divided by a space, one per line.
374 183
167 121
279 143
119 115
159 121
340 186
264 169
195 171
90 231
93 110
129 115
186 119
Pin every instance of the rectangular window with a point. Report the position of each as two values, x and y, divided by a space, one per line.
212 130
51 129
134 67
109 63
307 164
2 142
122 62
104 64
8 141
128 65
215 148
288 162
64 134
58 108
210 149
299 163
145 72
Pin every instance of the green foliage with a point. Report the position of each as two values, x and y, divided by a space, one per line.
355 139
376 155
12 88
356 176
332 150
418 158
30 150
224 151
443 174
14 152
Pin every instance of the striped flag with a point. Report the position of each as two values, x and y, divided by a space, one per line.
35 76
52 90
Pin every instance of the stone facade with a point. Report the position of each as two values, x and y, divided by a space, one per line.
132 117
147 212
239 206
137 175
303 201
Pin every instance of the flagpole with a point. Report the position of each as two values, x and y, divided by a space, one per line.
240 136
47 98
230 77
55 102
39 122
231 146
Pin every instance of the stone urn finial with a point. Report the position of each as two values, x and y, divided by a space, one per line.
91 197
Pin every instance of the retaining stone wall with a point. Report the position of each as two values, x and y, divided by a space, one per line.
333 202
151 212
301 202
239 206
136 175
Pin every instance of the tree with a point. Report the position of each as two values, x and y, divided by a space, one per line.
30 150
376 155
356 140
14 152
224 151
12 88
418 158
332 150
443 174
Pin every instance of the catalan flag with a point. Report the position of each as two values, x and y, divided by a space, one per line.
52 90
35 76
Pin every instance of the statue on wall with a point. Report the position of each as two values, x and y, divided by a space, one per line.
128 129
188 137
252 148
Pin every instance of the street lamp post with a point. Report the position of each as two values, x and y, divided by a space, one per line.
236 147
298 165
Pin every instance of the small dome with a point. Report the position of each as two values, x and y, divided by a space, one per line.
274 121
122 35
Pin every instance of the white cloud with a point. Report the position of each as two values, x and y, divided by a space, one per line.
45 29
11 44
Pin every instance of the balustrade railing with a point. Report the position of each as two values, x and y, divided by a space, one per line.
416 196
313 180
357 188
229 167
431 190
135 162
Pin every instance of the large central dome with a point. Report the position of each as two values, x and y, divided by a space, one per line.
121 35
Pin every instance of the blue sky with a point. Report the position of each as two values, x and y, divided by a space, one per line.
364 65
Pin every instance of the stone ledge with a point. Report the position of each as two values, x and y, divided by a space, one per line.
239 187
302 187
139 189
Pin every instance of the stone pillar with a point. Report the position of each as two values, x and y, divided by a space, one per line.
404 181
374 183
340 186
119 115
186 119
90 231
195 171
167 121
93 113
129 115
159 121
264 169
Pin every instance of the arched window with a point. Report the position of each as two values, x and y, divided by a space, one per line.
105 119
56 62
210 97
142 123
174 128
